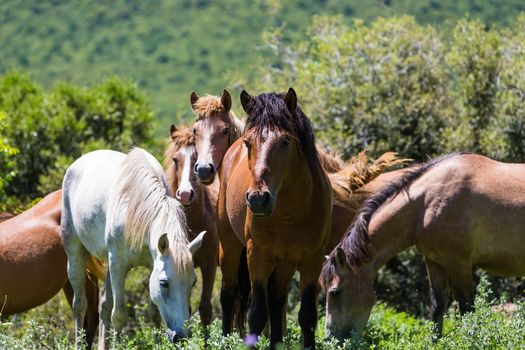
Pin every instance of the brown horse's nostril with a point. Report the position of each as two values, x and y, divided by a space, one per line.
259 203
204 172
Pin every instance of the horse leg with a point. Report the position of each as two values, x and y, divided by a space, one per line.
76 271
106 304
310 272
278 287
230 256
117 270
208 269
245 290
91 319
260 269
438 280
463 288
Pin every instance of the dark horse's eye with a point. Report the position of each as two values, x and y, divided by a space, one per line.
286 141
247 144
176 161
164 283
334 292
194 130
225 130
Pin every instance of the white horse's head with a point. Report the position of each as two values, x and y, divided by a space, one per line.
170 284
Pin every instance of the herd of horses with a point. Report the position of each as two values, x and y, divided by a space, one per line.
262 200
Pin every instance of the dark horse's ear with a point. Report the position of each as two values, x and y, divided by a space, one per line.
245 100
163 243
340 257
173 128
291 100
226 100
193 98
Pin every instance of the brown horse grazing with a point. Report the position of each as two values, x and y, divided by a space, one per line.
460 211
33 263
215 130
275 171
199 205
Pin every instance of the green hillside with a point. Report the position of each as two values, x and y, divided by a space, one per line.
171 47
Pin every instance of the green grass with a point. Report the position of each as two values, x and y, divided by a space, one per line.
50 327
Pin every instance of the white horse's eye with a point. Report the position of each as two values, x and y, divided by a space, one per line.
164 283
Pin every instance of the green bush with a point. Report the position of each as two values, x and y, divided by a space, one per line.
397 85
51 129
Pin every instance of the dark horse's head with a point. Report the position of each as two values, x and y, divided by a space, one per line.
277 135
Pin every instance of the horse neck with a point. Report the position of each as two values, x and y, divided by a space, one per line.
300 185
393 228
195 213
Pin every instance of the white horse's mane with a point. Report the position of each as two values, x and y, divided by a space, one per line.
141 186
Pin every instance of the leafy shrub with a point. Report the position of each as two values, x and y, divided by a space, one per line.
482 329
397 85
52 129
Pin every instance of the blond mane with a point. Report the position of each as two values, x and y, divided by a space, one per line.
142 188
330 161
207 106
357 172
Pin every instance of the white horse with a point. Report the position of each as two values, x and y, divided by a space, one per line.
118 208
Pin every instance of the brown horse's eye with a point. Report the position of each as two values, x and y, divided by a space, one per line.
225 131
194 131
176 161
335 292
286 141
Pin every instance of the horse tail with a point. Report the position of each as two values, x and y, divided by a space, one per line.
243 297
96 268
359 171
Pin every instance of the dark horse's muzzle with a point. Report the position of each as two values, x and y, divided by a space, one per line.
204 172
260 202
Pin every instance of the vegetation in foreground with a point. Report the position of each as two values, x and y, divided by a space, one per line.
51 327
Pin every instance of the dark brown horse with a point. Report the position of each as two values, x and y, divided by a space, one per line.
460 211
199 205
215 130
33 263
275 171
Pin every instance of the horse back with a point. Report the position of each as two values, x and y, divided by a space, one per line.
87 188
473 213
32 254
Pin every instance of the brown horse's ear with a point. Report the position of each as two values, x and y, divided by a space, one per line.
291 100
173 129
226 100
340 257
163 243
193 98
245 100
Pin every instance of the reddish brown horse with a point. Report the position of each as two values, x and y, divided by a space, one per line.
33 262
199 205
460 211
215 130
275 171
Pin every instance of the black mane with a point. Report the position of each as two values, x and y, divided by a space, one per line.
356 241
269 110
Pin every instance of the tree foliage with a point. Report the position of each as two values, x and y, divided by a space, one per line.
398 85
172 47
50 130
